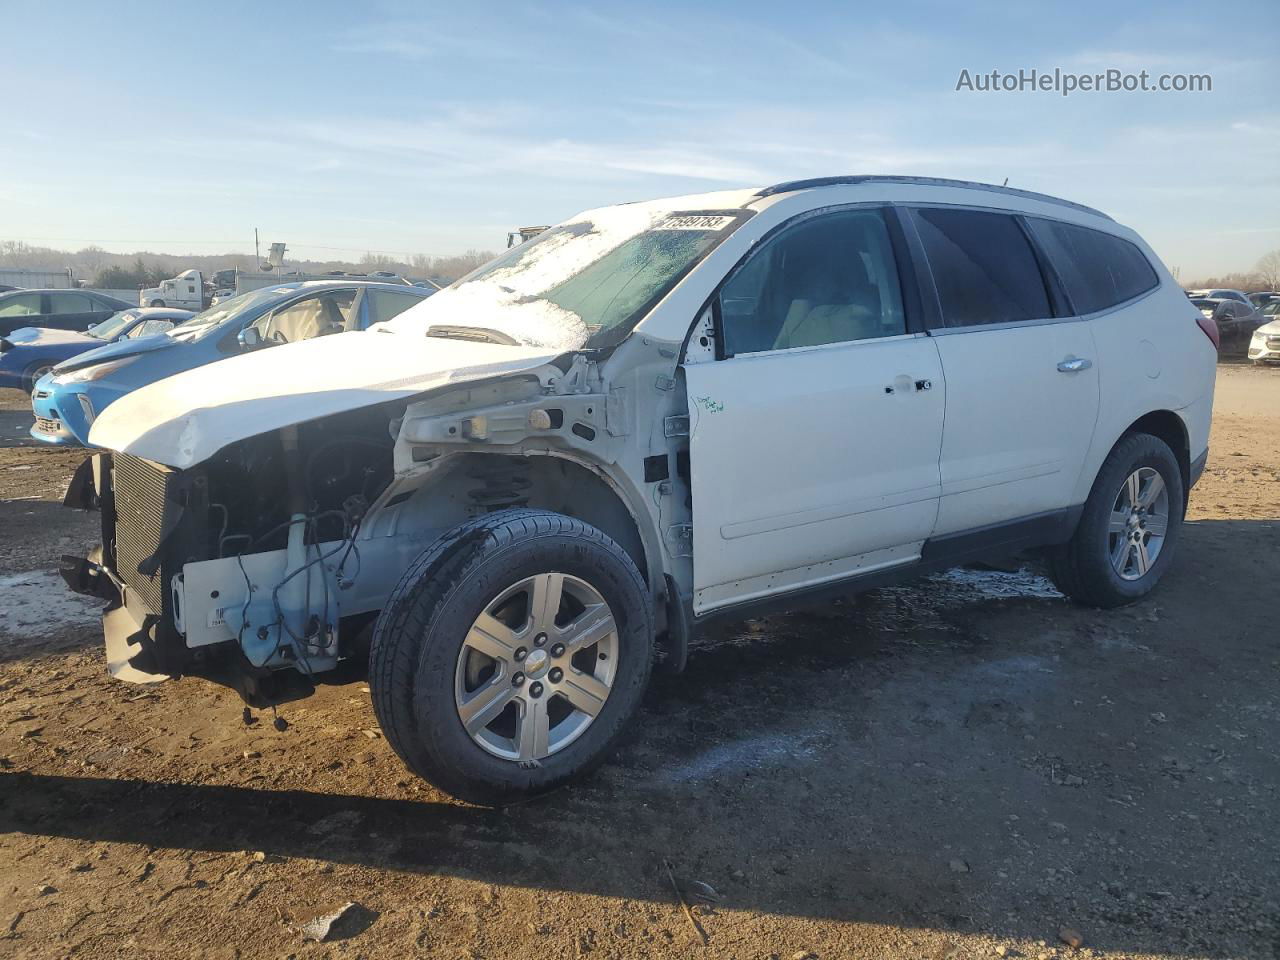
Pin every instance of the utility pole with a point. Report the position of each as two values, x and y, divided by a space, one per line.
256 255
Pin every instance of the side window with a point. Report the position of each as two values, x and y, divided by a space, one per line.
70 303
23 305
828 279
149 328
983 267
1097 269
384 305
313 317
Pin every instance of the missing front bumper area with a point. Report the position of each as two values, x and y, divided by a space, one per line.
139 648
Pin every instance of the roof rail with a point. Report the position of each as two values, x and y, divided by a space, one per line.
792 185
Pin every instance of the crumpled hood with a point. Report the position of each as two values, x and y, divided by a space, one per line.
1271 329
47 337
185 419
126 347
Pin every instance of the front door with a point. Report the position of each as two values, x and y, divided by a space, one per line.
815 434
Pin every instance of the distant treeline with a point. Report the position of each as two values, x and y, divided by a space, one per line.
127 271
1264 276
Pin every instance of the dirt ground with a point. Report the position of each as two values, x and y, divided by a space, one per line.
959 768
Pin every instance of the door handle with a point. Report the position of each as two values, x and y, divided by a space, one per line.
904 383
1074 365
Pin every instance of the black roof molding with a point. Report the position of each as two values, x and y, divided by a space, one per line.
793 185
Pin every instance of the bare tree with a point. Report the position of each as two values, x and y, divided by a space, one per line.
1268 270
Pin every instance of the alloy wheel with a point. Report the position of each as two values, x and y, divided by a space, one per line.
536 667
1139 523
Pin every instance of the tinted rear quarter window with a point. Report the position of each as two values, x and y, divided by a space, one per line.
984 268
1098 269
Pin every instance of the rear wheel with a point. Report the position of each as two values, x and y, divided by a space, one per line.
1129 528
511 655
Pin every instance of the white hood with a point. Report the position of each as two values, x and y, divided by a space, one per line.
185 419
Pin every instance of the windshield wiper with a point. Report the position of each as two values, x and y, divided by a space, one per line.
479 334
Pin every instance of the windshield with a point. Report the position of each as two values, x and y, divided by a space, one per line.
207 322
114 325
580 284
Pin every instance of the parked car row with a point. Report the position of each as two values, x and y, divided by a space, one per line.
1236 316
69 397
27 354
512 497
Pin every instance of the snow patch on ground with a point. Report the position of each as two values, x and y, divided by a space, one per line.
38 603
1001 585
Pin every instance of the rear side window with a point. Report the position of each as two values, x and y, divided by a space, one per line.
386 305
1098 270
983 267
71 303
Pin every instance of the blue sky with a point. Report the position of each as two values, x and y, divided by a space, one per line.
428 128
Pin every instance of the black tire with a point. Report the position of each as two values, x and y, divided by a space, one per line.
34 373
1081 568
420 633
156 303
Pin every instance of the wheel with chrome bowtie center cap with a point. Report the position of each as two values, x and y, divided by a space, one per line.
537 667
511 655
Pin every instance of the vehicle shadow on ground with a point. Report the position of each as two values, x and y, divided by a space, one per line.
916 757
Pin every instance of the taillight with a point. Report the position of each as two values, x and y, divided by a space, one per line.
1209 327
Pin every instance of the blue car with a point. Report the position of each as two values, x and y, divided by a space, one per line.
28 353
67 399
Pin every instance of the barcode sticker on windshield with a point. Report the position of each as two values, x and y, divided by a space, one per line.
695 222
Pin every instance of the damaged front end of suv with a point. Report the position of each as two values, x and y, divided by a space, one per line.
268 519
263 565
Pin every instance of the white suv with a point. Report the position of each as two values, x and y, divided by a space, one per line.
522 492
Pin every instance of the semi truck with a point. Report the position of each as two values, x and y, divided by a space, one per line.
186 291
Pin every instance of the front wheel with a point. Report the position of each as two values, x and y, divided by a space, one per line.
34 374
511 655
157 303
1125 540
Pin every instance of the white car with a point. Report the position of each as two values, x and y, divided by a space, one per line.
1264 347
553 472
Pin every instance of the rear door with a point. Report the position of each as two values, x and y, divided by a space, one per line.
1022 375
69 310
815 427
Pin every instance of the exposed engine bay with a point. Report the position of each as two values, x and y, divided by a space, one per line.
264 566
